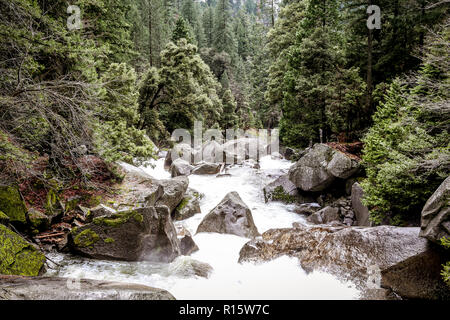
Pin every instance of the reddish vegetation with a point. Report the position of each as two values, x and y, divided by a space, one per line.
352 150
34 187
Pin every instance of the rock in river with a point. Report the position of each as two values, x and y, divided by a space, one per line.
55 288
409 265
139 234
320 167
435 223
231 216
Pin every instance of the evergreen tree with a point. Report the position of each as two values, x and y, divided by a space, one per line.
223 35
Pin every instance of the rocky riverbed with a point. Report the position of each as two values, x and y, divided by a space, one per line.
266 229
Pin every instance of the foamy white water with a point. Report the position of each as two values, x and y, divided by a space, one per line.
282 278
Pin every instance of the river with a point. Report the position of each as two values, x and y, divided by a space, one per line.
282 278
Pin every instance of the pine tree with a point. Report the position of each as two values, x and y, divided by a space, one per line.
182 31
223 35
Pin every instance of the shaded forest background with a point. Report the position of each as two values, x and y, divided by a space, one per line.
72 102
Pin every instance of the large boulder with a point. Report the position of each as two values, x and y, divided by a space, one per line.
407 264
435 223
139 234
324 216
12 205
180 167
319 168
360 210
17 256
207 168
230 216
174 190
55 288
189 206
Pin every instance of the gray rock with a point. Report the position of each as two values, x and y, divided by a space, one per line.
319 167
361 211
282 189
325 215
174 190
140 234
189 206
230 216
187 244
307 208
435 222
186 267
207 168
408 264
55 288
180 167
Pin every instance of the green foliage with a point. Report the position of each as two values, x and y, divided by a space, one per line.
405 161
181 91
118 138
182 31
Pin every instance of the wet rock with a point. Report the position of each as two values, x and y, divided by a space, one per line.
140 234
17 256
319 168
361 211
407 264
187 267
54 288
435 222
180 167
207 168
282 189
325 215
189 206
12 205
173 192
307 208
230 216
187 244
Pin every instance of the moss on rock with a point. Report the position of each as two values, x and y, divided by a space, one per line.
108 240
119 218
86 238
280 195
4 219
17 256
38 220
12 204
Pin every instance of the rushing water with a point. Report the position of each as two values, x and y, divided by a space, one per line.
282 278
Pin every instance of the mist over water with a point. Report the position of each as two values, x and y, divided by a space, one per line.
282 278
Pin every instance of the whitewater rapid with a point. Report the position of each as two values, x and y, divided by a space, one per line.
282 278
